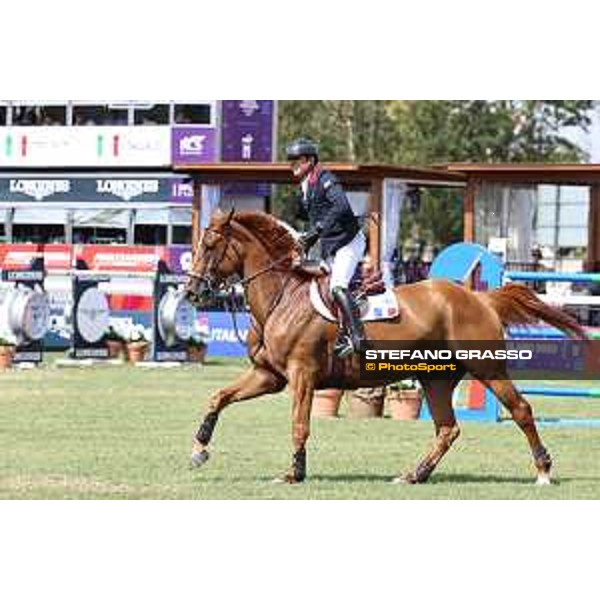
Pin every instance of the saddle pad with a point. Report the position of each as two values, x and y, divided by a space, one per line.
378 308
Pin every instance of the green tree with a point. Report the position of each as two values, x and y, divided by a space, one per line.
423 132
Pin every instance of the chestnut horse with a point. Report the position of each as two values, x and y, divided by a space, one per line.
291 344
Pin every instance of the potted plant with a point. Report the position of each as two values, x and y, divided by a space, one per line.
137 345
7 353
366 403
197 348
404 400
326 403
115 342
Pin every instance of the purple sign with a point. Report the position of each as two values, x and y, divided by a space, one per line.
247 136
182 191
180 259
193 145
247 130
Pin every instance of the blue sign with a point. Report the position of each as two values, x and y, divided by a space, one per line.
218 327
222 339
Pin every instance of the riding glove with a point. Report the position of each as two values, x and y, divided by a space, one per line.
308 239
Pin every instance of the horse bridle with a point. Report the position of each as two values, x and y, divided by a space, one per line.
209 278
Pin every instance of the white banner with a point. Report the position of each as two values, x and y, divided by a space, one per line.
211 195
86 146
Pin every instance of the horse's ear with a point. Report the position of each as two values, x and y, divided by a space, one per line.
230 215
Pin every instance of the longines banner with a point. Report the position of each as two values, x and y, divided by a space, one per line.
101 189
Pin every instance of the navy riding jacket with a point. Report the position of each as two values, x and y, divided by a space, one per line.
327 209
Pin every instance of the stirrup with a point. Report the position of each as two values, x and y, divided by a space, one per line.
343 346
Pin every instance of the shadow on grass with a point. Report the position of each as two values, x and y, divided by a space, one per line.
437 478
445 478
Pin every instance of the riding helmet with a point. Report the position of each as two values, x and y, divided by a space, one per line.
302 147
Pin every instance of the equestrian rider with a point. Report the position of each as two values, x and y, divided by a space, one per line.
325 206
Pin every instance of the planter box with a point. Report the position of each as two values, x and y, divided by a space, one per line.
196 354
136 351
366 403
326 403
7 354
404 405
115 348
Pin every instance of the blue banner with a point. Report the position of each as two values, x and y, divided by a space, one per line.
218 327
222 338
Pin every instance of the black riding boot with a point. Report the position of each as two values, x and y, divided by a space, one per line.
346 346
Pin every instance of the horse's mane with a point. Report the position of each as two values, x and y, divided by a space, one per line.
278 238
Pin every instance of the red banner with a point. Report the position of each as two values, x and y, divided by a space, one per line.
131 259
116 259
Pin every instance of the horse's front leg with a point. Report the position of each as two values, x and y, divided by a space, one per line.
254 382
302 384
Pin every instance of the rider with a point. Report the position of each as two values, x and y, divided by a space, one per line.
324 205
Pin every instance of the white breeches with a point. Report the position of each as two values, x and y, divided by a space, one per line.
345 261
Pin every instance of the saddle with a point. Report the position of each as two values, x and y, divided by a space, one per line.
366 281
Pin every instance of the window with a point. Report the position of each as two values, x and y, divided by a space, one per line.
182 234
2 233
39 234
39 115
151 114
99 235
100 114
192 114
3 114
150 235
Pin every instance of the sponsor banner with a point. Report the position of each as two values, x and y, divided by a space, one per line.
180 259
101 189
192 145
221 336
247 135
112 258
136 259
21 256
247 130
217 326
182 192
85 146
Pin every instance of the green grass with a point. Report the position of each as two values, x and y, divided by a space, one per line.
122 432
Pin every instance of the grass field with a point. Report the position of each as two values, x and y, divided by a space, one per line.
122 432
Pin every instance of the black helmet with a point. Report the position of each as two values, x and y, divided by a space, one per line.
302 147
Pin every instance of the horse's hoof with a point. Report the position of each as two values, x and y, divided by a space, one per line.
404 479
543 479
199 457
289 479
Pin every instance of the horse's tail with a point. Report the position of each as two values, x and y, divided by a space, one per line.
516 304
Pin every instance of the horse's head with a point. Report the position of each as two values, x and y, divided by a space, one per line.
217 257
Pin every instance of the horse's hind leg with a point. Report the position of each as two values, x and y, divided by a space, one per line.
439 399
522 415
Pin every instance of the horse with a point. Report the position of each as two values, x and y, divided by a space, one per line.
290 343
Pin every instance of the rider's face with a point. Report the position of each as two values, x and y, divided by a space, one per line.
301 167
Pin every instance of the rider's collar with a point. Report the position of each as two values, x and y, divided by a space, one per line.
310 179
313 176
